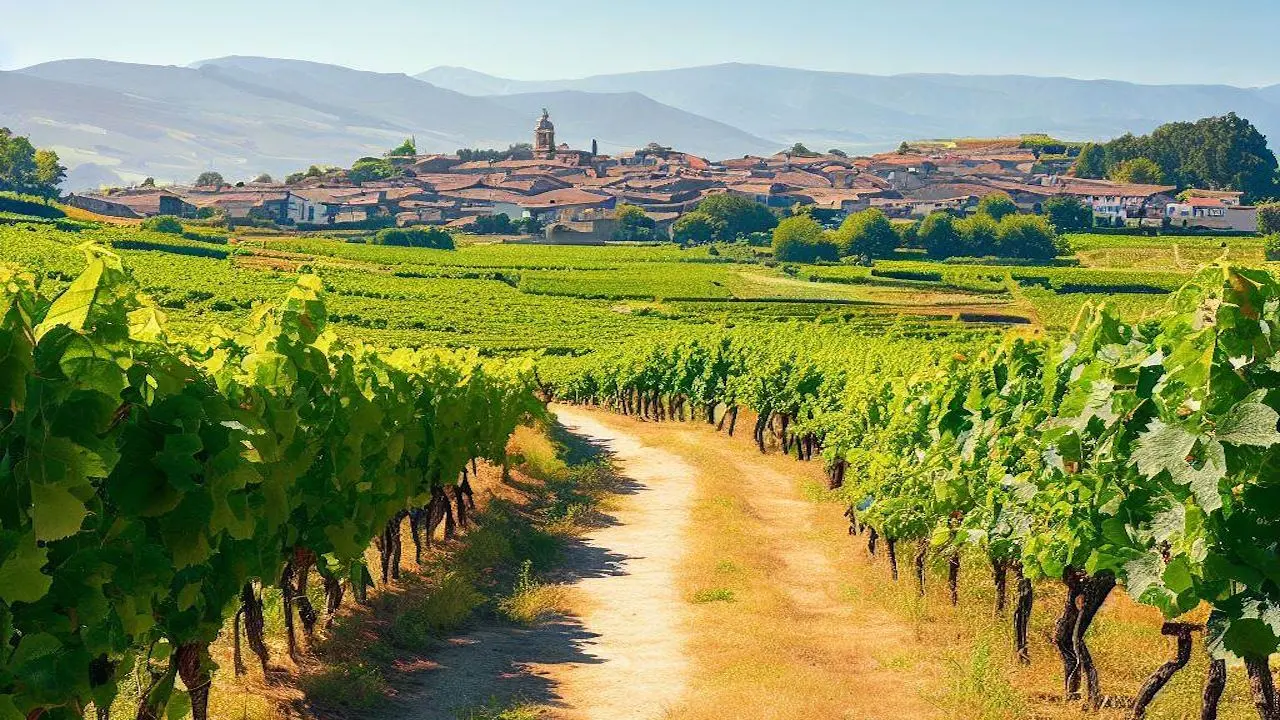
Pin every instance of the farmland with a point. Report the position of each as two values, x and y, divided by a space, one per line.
878 377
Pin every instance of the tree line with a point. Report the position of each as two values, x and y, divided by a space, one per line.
27 169
1216 153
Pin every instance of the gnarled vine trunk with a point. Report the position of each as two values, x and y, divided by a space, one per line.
1215 682
1164 673
922 555
1022 614
872 536
1064 633
1000 575
1095 591
1263 688
892 544
193 667
953 577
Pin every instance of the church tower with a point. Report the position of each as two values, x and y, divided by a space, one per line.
544 138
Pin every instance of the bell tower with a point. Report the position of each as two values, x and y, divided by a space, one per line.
544 138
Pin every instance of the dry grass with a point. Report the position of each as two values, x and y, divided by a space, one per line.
775 653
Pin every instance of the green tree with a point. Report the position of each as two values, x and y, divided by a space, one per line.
737 216
1269 218
1271 246
1140 170
799 150
1091 163
695 228
433 238
997 206
49 174
904 148
264 179
499 224
210 178
1026 236
634 224
800 238
370 169
867 234
163 224
978 235
939 237
838 152
148 182
408 148
1067 213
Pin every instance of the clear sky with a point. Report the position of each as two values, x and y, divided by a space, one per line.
1155 41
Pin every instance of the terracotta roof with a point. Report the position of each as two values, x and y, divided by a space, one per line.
567 196
1080 186
487 195
1206 202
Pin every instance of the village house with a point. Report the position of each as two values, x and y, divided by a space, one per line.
134 203
1221 211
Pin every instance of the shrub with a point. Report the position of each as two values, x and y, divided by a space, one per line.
997 206
1269 219
1271 246
696 228
737 216
163 224
868 234
801 239
499 224
939 236
1026 236
1066 213
434 238
978 235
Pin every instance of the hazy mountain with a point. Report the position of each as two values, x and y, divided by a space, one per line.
115 122
846 109
626 121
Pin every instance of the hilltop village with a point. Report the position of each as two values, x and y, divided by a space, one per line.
570 195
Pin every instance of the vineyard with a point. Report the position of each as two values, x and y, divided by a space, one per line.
153 488
1139 455
193 422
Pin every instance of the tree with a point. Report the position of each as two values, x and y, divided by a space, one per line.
1271 246
408 148
1140 170
210 178
904 148
800 238
1026 236
997 206
1067 213
838 152
148 182
978 235
434 238
295 178
695 228
1091 163
1269 218
369 169
634 224
264 179
939 237
737 216
868 234
49 173
799 150
163 224
499 224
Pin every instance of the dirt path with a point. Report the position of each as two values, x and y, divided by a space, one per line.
717 591
621 657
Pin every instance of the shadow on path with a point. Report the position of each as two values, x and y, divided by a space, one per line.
493 662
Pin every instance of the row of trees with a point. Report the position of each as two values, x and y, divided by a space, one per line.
1219 153
26 169
996 228
1137 455
152 490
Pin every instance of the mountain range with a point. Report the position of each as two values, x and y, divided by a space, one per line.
115 122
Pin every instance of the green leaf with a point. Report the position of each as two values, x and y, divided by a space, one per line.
9 711
56 512
1162 448
1249 423
21 579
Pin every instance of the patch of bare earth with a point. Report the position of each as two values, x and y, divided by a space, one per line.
622 653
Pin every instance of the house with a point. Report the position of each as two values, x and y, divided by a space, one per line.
139 203
1117 202
1230 198
1212 213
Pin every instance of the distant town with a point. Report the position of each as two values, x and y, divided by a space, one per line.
571 195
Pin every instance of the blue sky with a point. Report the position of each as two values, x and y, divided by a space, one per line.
1157 41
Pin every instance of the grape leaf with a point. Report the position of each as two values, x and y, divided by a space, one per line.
21 579
56 512
1249 423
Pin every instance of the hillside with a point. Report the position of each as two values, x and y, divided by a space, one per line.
858 111
119 122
